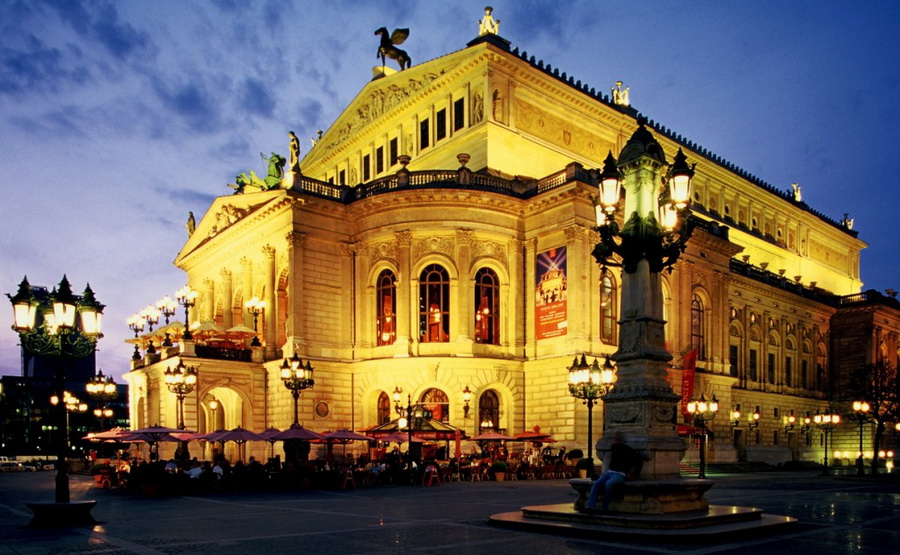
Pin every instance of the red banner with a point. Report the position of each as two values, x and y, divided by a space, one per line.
689 368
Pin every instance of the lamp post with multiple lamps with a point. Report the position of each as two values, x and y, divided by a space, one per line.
589 383
703 411
657 226
102 389
826 422
296 378
186 297
861 411
69 327
255 307
181 380
413 414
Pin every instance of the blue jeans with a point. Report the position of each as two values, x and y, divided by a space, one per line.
607 481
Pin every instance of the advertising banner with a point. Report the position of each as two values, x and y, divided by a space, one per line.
551 292
689 367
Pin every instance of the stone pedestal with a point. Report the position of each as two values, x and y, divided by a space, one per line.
62 515
650 497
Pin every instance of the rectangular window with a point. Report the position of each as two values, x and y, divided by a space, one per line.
331 180
459 114
342 177
367 168
733 359
771 367
379 160
424 135
804 365
788 370
440 124
753 373
393 151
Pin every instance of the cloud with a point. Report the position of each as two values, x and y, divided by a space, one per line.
37 67
186 197
191 102
256 98
101 25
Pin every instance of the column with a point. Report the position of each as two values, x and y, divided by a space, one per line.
296 321
270 311
462 315
227 299
246 289
407 309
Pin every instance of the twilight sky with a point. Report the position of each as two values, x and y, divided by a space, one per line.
119 117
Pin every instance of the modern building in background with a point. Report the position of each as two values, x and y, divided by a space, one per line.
437 238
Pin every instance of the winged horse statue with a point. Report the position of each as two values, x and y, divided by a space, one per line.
387 49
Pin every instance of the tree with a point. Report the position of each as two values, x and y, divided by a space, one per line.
878 385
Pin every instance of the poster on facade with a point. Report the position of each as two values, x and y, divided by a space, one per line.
689 369
551 292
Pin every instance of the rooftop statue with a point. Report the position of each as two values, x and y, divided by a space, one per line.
387 48
295 152
620 95
191 224
488 25
797 195
272 180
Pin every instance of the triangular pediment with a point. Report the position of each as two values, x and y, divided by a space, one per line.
225 213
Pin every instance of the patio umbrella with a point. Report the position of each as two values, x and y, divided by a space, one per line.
158 431
296 431
240 436
399 437
240 330
346 435
208 329
269 434
115 434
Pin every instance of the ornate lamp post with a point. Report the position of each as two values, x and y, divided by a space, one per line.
754 419
71 404
255 307
166 306
136 324
186 297
589 383
414 414
657 226
61 335
861 409
827 423
296 378
702 412
181 380
103 390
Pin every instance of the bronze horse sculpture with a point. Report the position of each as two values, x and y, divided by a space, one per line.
387 49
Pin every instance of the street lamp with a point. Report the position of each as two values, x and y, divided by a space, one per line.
136 324
754 419
167 306
71 404
102 389
415 414
181 380
656 227
735 418
186 297
861 409
60 335
255 307
296 378
789 422
589 383
702 412
826 422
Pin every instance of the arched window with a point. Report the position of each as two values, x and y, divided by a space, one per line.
434 305
437 402
487 307
607 310
386 306
488 411
697 325
384 408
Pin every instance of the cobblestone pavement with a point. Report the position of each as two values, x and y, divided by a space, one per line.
836 515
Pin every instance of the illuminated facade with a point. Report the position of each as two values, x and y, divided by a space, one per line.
440 238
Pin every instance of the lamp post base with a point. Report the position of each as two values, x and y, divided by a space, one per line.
62 515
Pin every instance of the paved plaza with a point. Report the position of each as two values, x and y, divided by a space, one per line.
836 515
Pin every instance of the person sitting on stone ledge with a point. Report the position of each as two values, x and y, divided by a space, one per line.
623 463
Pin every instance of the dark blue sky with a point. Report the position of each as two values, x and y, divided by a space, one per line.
117 118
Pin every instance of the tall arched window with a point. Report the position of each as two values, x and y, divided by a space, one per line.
487 307
386 306
488 411
434 305
437 402
383 408
697 322
607 309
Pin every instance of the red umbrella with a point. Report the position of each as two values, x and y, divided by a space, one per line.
158 431
399 437
297 431
114 434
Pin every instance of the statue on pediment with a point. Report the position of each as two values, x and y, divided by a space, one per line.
488 25
388 49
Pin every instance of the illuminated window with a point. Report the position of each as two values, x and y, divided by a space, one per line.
607 310
697 325
434 305
437 402
488 411
487 307
386 304
384 408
